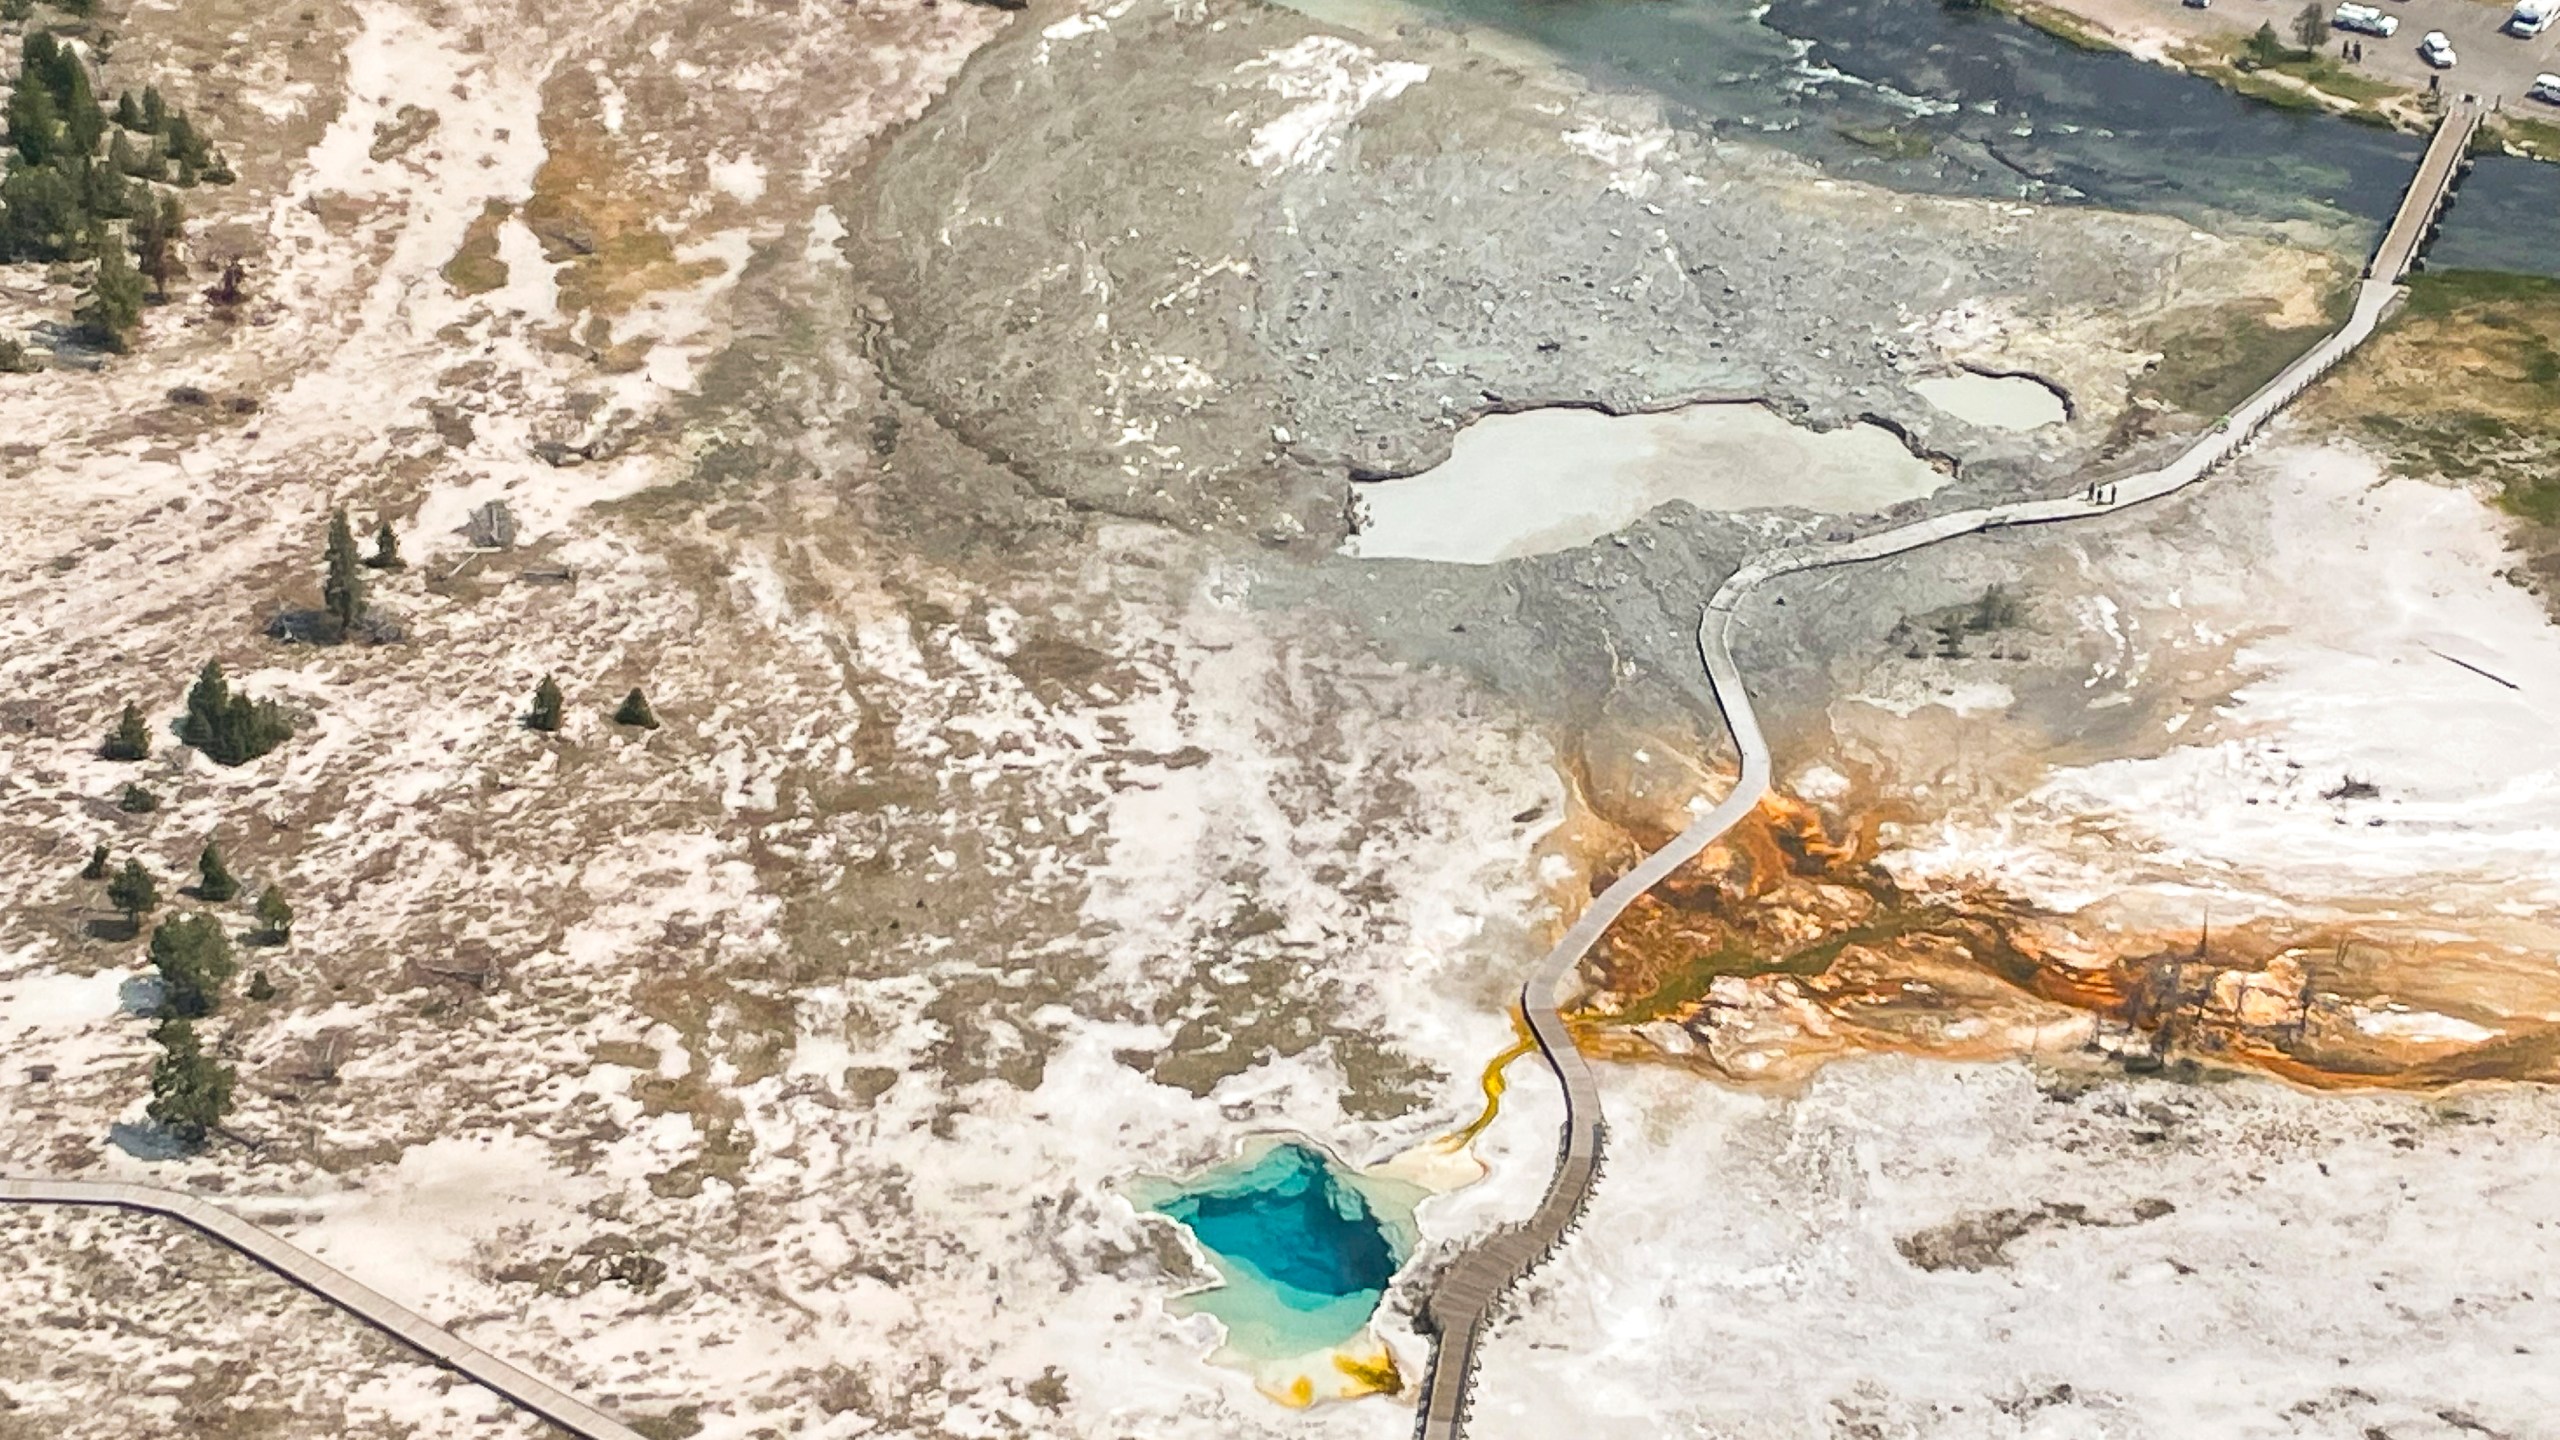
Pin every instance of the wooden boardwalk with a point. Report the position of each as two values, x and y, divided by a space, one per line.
335 1286
2448 154
1465 1298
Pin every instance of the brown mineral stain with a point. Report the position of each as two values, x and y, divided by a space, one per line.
1374 1374
1783 946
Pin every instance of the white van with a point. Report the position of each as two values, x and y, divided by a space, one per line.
2531 18
2365 20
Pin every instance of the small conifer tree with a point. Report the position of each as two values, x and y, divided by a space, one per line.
261 989
137 801
230 729
157 233
545 715
214 881
342 592
96 869
133 892
128 111
275 916
195 961
131 739
635 711
190 1091
232 288
112 313
386 549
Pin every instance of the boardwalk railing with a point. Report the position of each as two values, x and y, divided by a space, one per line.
335 1286
1465 1299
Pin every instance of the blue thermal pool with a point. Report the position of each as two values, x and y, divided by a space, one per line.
1304 1248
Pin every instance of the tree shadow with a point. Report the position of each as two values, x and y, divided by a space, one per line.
148 1141
141 995
112 927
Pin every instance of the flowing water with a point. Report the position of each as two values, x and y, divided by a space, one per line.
1912 94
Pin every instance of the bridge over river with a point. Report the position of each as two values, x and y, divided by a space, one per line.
1465 1298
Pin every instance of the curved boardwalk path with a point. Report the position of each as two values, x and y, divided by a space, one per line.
335 1286
1464 1298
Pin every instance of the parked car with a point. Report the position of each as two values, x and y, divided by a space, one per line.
2365 20
2531 18
2545 88
2436 50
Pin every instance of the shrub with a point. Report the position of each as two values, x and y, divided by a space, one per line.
275 916
545 714
635 711
131 739
214 880
133 891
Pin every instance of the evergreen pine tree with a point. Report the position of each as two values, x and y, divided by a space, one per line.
190 1093
104 195
133 892
545 715
156 236
96 869
83 123
635 711
213 879
186 147
137 801
275 916
386 549
40 215
230 729
113 312
261 989
131 739
121 155
342 592
205 702
155 111
128 112
34 126
194 960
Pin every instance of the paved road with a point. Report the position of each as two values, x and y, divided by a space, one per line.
1464 1299
334 1286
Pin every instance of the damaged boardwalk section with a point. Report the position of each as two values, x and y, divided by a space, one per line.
335 1286
1465 1299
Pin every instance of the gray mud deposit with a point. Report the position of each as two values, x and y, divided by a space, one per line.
1542 481
1074 266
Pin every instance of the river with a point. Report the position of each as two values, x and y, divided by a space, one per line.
2004 109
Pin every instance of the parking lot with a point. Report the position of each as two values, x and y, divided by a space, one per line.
2488 64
